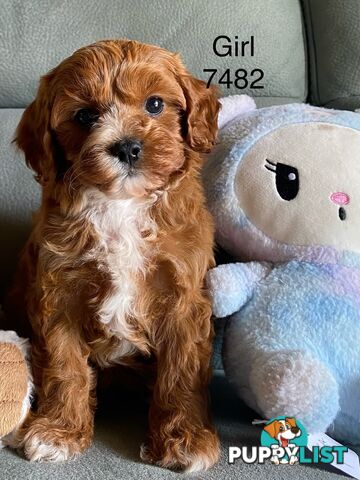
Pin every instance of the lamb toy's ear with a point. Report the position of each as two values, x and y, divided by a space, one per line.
234 106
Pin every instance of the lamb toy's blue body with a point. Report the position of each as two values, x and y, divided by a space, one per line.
292 342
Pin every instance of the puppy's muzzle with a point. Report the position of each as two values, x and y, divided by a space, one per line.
127 151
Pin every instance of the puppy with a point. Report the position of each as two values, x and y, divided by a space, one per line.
113 271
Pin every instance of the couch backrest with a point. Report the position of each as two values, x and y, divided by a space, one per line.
36 35
333 35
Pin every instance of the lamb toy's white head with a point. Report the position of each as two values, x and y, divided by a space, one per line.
283 182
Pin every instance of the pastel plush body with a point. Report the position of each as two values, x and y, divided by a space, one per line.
283 186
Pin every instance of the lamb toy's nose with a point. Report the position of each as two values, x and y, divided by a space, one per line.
340 198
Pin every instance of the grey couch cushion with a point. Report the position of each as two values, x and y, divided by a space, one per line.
121 428
36 35
334 50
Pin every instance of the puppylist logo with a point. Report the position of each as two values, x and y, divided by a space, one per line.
284 436
284 441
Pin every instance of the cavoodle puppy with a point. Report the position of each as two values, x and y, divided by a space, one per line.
113 272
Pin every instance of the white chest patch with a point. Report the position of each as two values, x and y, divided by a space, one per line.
123 252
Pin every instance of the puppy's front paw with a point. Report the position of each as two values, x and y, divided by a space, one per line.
197 453
46 442
37 449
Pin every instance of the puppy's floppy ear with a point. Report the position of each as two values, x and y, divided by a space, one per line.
202 108
34 137
271 428
291 421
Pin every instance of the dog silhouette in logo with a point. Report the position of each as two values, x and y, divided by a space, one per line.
283 431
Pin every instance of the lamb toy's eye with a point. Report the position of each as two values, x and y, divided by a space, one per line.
286 179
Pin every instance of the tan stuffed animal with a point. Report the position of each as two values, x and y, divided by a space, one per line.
15 384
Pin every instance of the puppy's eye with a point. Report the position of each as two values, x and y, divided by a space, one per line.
281 429
86 117
154 105
287 179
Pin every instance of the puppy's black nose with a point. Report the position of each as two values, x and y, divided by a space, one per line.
295 429
127 151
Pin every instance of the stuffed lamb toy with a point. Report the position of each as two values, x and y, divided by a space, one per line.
283 185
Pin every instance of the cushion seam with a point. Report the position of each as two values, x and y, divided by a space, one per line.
313 72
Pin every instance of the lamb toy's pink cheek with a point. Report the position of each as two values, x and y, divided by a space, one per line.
340 198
